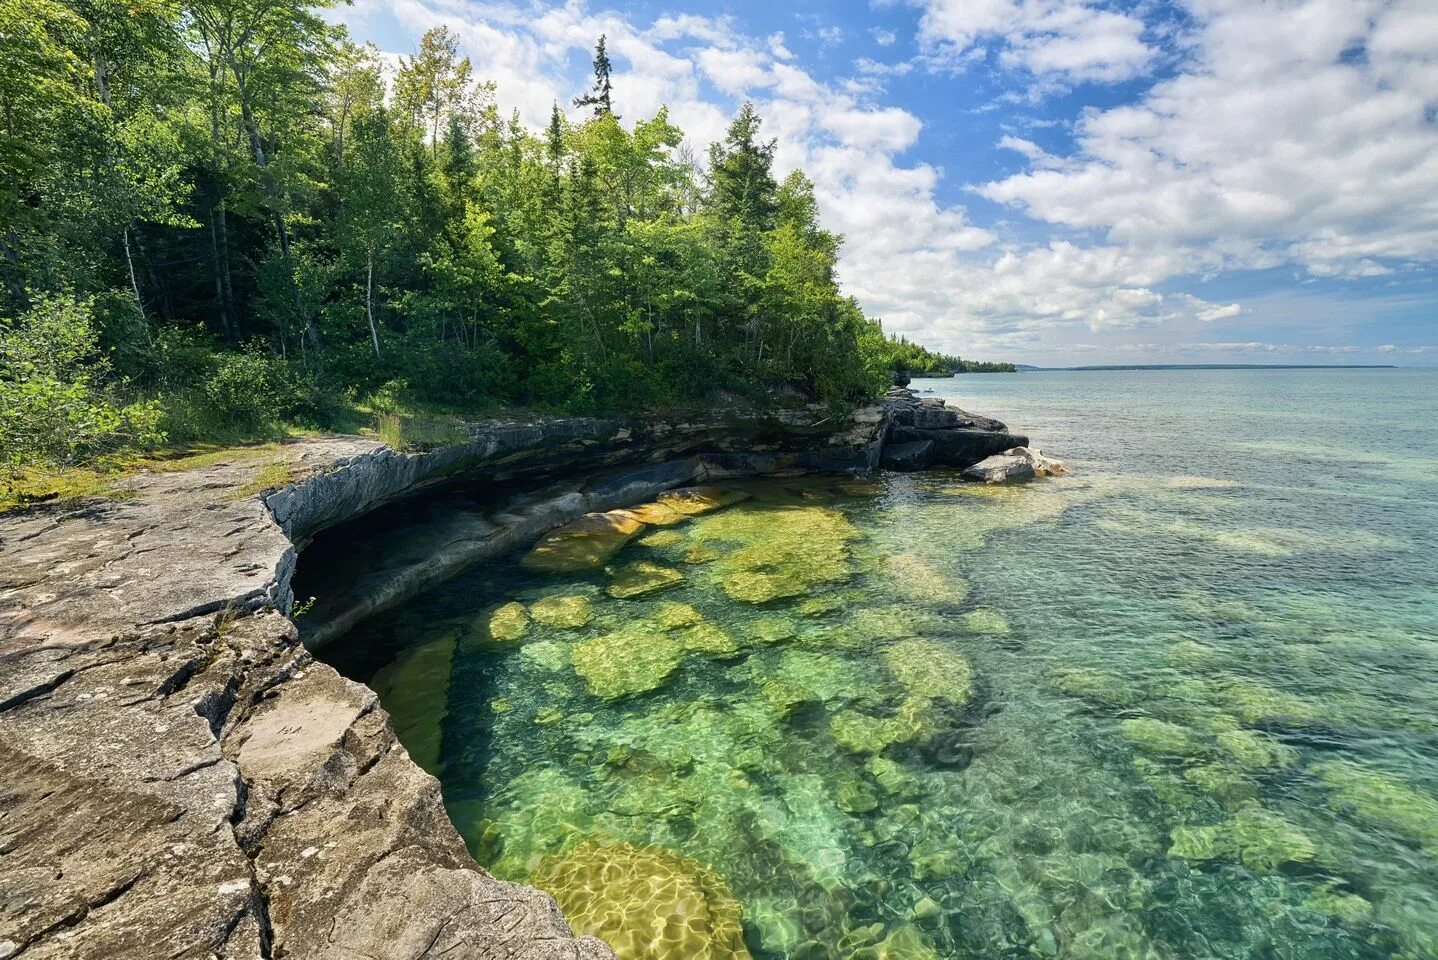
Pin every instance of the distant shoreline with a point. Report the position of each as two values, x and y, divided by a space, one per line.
1025 368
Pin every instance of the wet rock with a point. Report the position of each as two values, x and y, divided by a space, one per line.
1017 463
692 501
914 455
585 544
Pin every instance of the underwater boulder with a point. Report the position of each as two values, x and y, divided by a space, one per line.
584 544
508 624
647 903
931 670
1260 839
692 501
638 579
562 612
414 691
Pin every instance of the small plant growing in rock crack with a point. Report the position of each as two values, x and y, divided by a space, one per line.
301 608
225 621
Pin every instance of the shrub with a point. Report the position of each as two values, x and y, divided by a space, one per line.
56 407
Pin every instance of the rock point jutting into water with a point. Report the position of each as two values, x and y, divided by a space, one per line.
182 778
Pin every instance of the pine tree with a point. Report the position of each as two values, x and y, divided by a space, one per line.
599 96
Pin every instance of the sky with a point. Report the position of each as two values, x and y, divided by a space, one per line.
1054 182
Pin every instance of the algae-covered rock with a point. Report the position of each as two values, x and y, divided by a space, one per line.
656 514
635 659
864 734
827 678
1224 783
640 656
647 903
1261 839
855 796
507 624
699 554
1095 686
584 544
643 577
670 615
1382 799
1256 751
414 691
914 577
1159 737
562 612
662 539
1342 906
985 620
930 669
692 501
772 630
893 779
782 551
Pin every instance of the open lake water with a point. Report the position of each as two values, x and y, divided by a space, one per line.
1181 703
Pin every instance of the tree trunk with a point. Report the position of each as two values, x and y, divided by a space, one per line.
222 272
135 287
369 300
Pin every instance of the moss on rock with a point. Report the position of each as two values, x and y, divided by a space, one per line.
562 612
584 544
643 577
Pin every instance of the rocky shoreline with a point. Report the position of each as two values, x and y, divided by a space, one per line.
182 778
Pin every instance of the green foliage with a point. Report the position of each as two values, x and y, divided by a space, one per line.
54 404
265 235
917 361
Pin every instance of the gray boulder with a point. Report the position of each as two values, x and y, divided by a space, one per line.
915 455
1018 463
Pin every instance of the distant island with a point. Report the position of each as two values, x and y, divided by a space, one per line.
1029 368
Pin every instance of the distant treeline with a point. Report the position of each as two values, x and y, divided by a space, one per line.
220 218
921 362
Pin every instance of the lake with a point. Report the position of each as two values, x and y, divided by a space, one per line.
1180 703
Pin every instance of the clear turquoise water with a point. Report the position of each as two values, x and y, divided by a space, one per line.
1204 710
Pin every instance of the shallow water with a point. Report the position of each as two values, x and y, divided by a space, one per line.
1182 703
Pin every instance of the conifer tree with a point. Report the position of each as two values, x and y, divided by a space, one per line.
599 95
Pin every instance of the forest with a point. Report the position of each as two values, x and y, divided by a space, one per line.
223 219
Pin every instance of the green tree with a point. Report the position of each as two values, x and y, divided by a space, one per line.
600 95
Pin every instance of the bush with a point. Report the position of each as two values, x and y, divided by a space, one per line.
56 404
252 392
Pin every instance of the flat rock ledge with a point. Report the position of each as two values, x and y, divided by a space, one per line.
180 778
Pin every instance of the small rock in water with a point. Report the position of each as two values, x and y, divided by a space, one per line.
643 577
1016 463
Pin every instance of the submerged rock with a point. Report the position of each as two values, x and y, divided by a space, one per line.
562 612
1016 463
415 691
931 670
1259 838
637 579
918 579
647 903
584 544
864 734
509 623
692 501
641 656
786 551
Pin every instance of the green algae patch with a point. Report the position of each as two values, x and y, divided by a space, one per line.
647 903
508 624
862 733
661 539
584 544
415 692
782 552
641 656
1159 737
1095 686
1382 799
562 612
1260 839
985 620
643 577
654 514
1255 751
931 670
917 579
692 501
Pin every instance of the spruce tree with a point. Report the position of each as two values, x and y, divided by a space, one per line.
599 96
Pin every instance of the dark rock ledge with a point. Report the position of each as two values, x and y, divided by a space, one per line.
179 778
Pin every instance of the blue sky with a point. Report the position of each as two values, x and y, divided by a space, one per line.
1053 181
